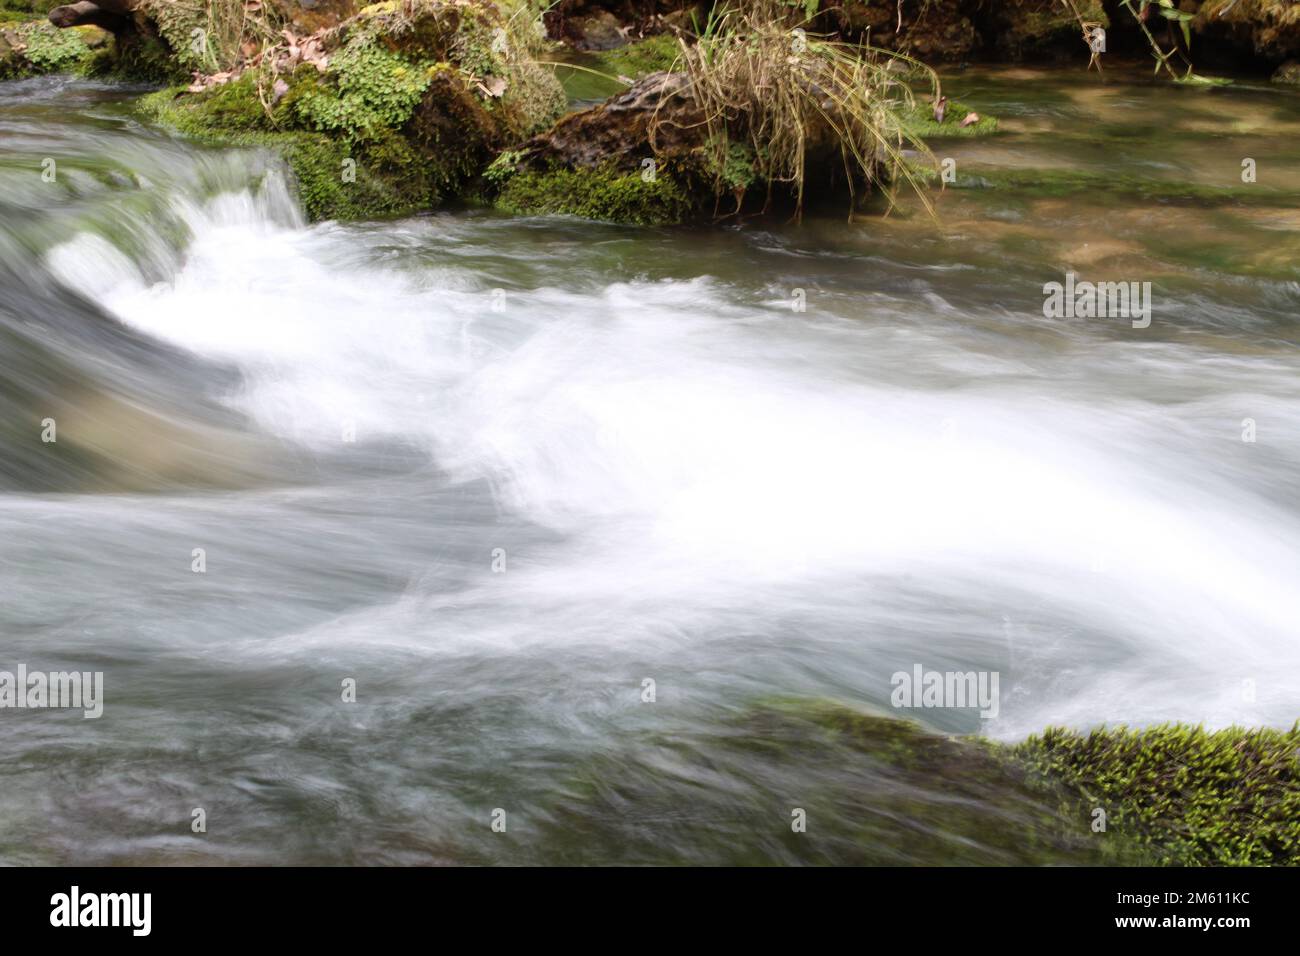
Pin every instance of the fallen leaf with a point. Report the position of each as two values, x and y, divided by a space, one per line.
971 119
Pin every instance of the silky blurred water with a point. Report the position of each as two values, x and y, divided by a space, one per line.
499 472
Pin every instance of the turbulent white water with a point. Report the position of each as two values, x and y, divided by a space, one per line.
716 463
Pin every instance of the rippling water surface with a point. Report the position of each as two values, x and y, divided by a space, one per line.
500 472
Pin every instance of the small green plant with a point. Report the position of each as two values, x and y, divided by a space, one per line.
503 167
371 89
47 49
1170 12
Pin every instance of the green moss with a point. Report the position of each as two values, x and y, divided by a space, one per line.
369 89
335 178
1230 797
502 168
43 48
605 194
736 171
413 103
919 121
492 51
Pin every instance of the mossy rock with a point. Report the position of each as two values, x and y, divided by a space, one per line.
640 58
875 790
605 193
28 9
1194 797
36 48
871 790
409 110
335 178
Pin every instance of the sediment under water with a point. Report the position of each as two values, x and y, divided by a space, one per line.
500 472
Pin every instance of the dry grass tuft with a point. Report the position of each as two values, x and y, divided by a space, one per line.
780 102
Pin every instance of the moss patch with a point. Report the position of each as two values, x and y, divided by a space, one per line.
1223 798
919 121
604 194
411 105
35 48
373 89
335 178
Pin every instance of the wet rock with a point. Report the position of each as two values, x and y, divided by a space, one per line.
601 31
619 132
597 25
630 159
1288 73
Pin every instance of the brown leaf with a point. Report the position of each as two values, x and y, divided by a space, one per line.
971 119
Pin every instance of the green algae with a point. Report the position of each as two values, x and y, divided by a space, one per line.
640 58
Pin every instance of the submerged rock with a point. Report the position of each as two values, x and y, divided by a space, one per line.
818 782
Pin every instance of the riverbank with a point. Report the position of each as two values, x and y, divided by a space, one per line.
396 108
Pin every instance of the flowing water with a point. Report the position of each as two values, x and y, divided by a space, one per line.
501 472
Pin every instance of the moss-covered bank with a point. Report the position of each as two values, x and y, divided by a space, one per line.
398 110
35 48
